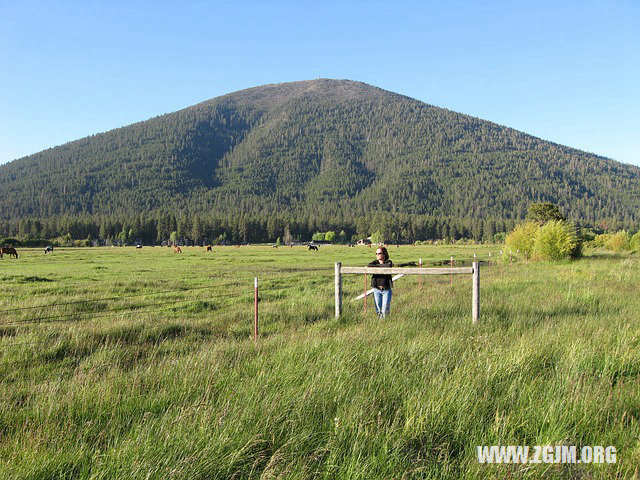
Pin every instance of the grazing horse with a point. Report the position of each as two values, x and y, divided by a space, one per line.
177 249
48 249
313 247
208 248
8 251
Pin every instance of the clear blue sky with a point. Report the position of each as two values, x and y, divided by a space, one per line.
565 71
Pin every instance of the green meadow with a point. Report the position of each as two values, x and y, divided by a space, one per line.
140 364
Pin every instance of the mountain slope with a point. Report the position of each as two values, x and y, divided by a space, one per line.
334 146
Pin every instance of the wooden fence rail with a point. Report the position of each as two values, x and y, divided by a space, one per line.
474 270
406 270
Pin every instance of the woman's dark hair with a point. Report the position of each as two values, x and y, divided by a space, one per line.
384 252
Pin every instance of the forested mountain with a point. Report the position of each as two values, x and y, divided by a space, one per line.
329 149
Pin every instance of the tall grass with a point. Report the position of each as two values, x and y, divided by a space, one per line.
104 386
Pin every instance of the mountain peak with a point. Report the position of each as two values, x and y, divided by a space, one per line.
319 89
339 147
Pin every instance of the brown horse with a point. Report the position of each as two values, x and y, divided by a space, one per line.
177 249
208 248
8 251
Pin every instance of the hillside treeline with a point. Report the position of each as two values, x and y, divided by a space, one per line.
324 147
205 229
245 228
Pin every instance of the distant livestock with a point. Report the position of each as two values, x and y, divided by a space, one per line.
48 249
177 249
313 247
8 251
209 248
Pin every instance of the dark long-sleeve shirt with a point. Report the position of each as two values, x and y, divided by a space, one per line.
382 282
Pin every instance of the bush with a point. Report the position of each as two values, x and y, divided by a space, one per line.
35 242
63 241
544 212
82 243
601 240
317 237
522 238
618 241
10 241
586 235
556 240
634 243
499 237
377 237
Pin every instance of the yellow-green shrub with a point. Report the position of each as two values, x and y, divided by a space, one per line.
556 240
601 239
522 238
634 243
618 241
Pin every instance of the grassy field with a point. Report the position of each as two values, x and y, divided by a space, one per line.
126 363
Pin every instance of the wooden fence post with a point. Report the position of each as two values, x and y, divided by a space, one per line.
475 279
255 310
451 265
338 292
365 293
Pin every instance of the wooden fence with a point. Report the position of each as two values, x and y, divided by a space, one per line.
474 270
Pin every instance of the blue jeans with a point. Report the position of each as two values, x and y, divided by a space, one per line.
382 300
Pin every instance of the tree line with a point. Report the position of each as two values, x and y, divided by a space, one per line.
166 227
199 229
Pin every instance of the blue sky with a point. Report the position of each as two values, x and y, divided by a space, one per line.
563 71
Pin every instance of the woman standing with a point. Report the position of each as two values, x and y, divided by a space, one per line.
382 283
